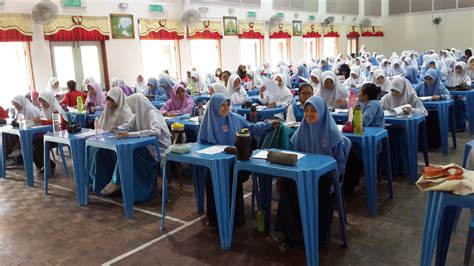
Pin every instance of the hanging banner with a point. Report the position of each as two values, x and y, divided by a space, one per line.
281 31
374 31
206 29
77 28
160 29
331 31
312 30
15 27
353 31
251 29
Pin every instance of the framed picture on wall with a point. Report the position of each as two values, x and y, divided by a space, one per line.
122 26
297 27
230 25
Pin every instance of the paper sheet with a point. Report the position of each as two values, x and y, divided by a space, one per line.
399 110
340 127
425 98
194 119
341 110
263 154
388 113
293 124
86 134
213 149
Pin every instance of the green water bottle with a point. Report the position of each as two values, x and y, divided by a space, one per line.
80 104
358 120
261 221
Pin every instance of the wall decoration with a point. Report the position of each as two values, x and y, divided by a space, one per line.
297 27
230 25
122 26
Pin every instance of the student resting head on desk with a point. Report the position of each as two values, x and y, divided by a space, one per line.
219 127
276 95
147 121
373 116
401 93
295 110
318 133
332 91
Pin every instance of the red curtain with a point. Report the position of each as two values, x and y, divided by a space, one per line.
14 35
76 34
251 35
372 34
161 35
207 35
331 34
312 35
353 34
280 35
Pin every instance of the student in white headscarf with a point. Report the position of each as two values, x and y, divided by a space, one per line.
380 79
396 68
384 65
147 121
459 77
315 80
216 87
53 86
140 84
235 92
355 79
116 111
276 96
401 93
255 81
332 91
198 83
285 72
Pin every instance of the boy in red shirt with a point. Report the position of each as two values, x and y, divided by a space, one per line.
70 98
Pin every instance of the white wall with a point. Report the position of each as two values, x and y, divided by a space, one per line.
412 31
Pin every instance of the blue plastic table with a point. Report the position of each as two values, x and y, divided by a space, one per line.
91 117
440 217
202 98
411 124
158 104
368 146
306 174
445 109
255 99
340 117
262 114
467 149
253 92
26 142
124 149
188 124
470 106
220 167
77 145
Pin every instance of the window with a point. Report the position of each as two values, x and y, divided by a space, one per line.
14 71
76 61
250 52
279 50
330 47
158 55
311 46
352 45
205 55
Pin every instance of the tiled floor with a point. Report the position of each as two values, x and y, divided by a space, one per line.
41 230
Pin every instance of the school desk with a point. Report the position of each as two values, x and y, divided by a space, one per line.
469 94
445 109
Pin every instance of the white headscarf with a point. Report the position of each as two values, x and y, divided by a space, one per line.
408 94
457 79
317 74
145 113
50 85
470 67
358 81
339 91
47 113
218 87
386 68
27 108
285 71
396 71
386 84
200 85
256 80
230 90
88 81
120 115
280 92
140 86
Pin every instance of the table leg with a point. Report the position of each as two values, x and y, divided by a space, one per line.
47 166
443 128
199 173
341 209
368 150
235 177
388 164
424 139
432 220
164 191
452 124
470 111
307 186
220 170
80 176
444 234
3 154
125 162
26 142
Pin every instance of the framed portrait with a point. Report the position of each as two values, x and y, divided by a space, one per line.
297 27
230 25
122 26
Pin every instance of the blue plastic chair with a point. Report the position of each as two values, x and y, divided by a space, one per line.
439 222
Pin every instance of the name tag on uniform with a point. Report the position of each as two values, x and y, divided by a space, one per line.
323 143
225 128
